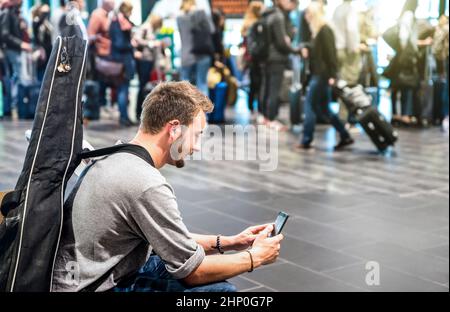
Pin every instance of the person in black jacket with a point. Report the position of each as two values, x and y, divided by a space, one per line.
14 39
324 74
42 35
281 34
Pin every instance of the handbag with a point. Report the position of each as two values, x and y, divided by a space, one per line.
110 71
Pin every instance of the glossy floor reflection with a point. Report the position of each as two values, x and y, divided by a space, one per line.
347 208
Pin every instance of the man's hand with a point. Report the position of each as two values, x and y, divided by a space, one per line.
305 53
245 239
26 47
332 81
266 249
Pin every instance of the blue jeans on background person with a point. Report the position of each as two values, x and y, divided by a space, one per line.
197 74
318 96
6 87
446 104
153 277
14 62
122 99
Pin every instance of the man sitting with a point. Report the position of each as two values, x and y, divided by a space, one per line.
122 227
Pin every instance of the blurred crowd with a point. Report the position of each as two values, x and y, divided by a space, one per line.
317 49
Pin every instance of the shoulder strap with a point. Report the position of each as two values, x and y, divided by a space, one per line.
136 150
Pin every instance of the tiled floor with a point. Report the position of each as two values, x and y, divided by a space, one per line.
347 208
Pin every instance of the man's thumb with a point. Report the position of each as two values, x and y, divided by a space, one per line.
264 233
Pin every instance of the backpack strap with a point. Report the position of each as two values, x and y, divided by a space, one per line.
133 149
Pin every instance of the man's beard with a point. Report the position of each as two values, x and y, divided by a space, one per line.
181 162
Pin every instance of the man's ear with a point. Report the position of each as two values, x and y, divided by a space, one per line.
174 128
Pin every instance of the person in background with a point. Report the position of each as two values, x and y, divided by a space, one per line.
146 54
346 30
42 35
369 38
406 64
325 66
98 31
56 15
281 34
253 14
218 18
122 50
305 38
194 67
5 74
15 39
441 53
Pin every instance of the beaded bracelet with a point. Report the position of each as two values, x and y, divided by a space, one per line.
218 245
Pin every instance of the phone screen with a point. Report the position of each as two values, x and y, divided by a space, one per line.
279 223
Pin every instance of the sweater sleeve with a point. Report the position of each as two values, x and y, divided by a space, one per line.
330 54
7 37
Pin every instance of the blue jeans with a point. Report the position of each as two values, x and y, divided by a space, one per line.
122 99
318 96
6 84
14 62
153 277
446 104
197 74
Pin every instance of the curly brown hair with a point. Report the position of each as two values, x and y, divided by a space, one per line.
170 101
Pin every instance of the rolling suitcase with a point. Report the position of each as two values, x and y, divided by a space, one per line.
27 100
354 98
439 100
219 98
377 128
373 122
91 100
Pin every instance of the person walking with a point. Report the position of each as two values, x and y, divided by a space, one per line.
324 74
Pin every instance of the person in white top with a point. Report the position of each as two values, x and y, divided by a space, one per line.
345 24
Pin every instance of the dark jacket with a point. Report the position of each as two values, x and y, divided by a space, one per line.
10 30
42 34
324 54
279 28
121 48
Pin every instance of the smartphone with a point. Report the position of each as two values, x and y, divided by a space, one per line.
279 223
